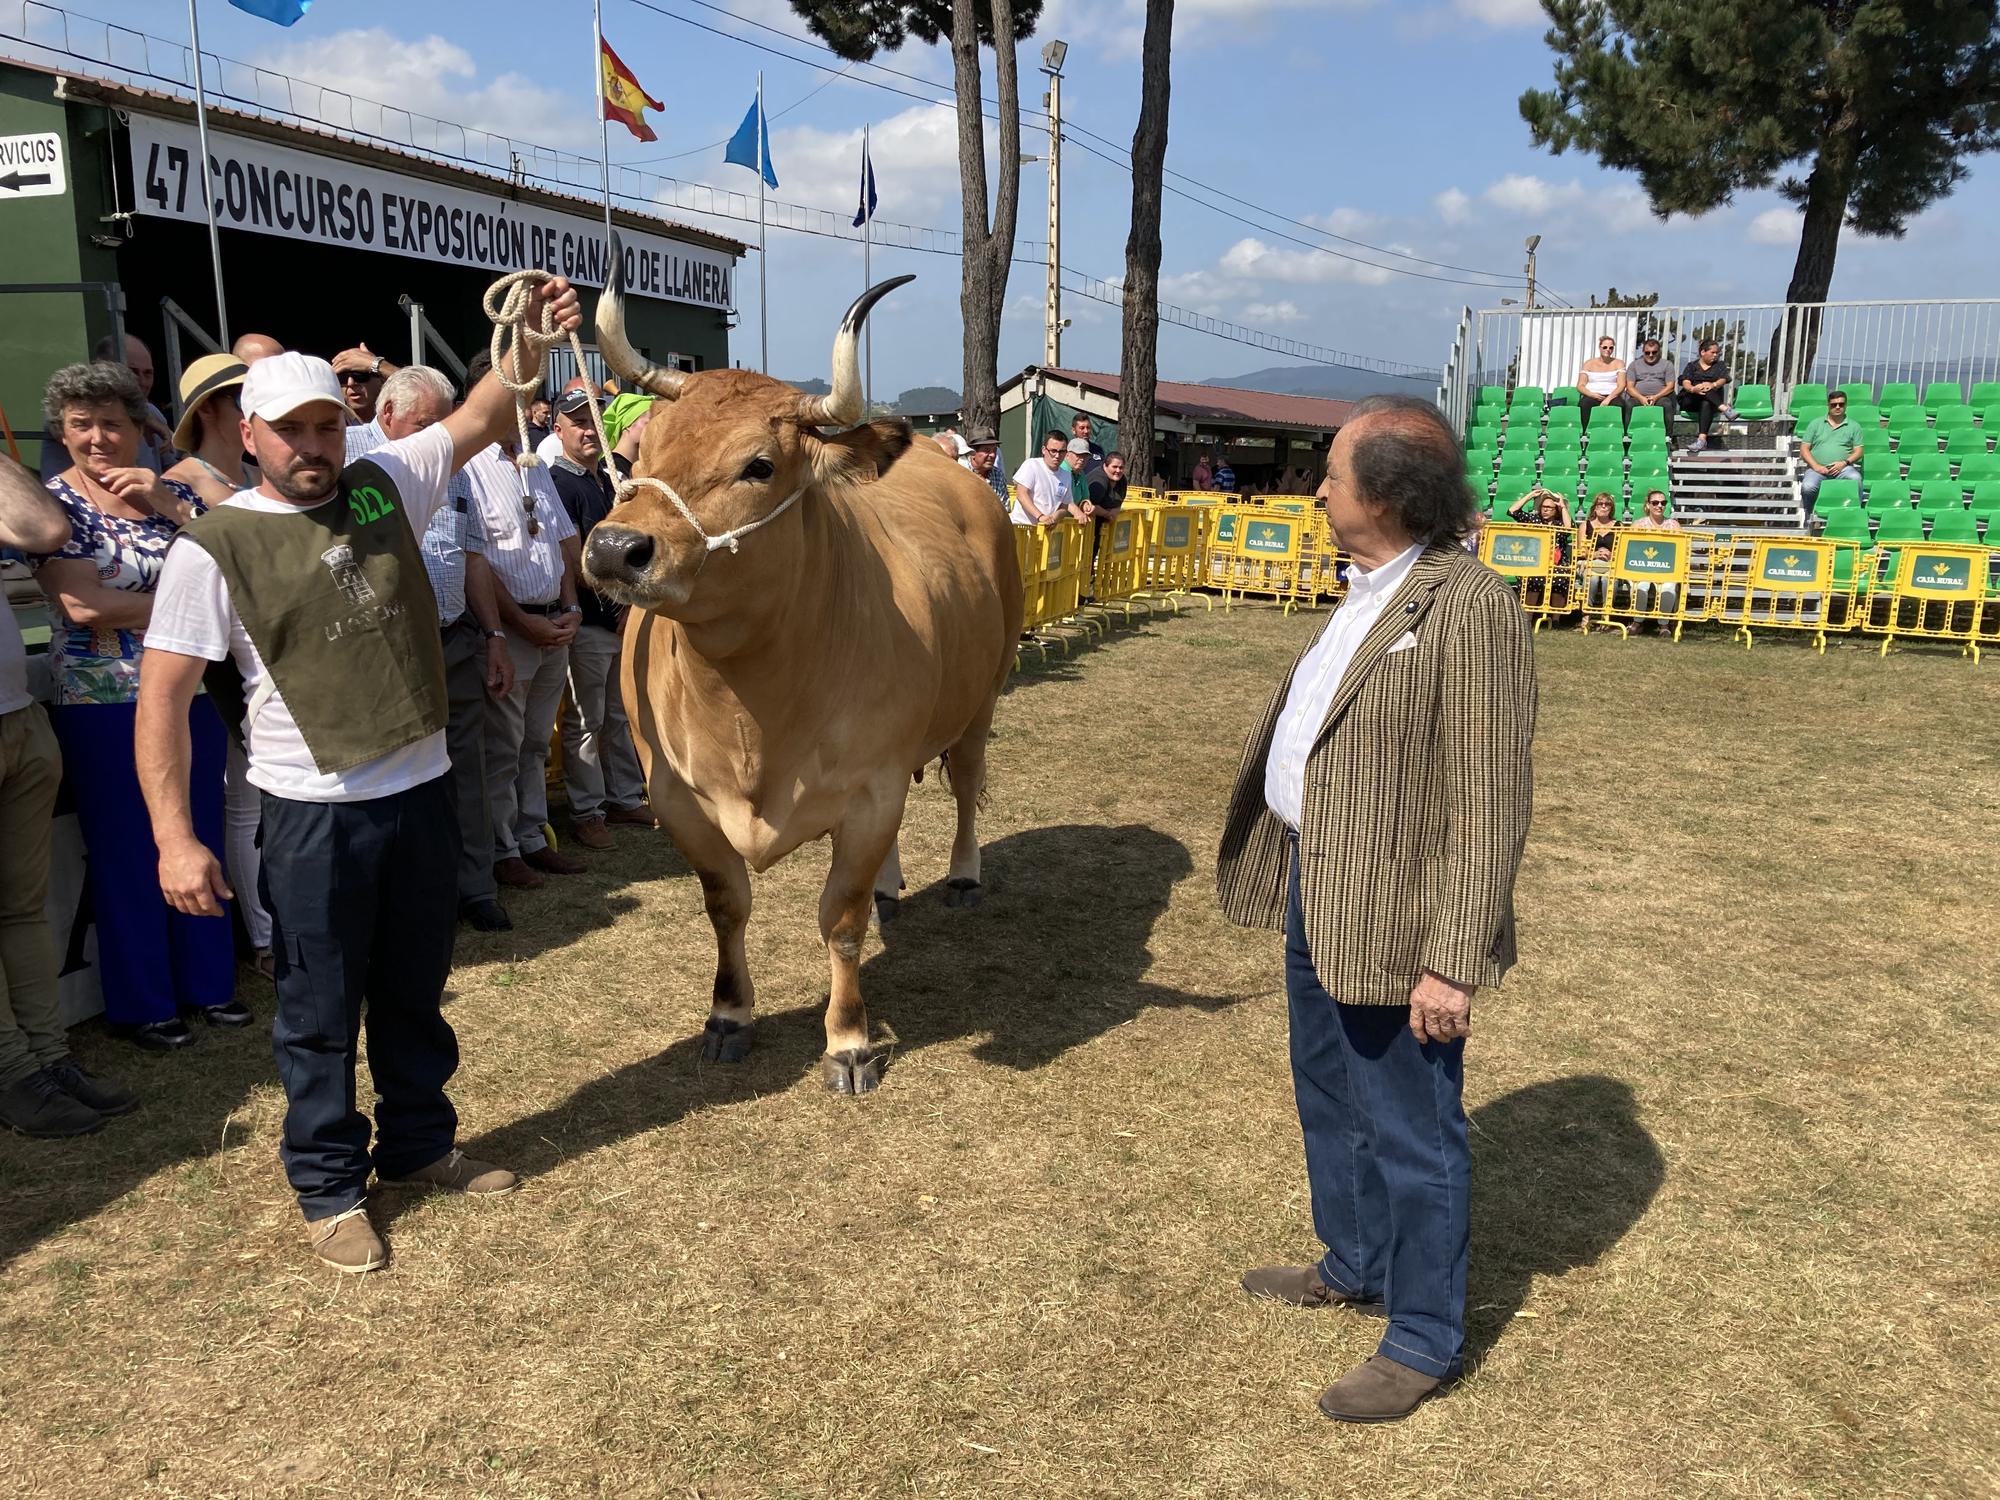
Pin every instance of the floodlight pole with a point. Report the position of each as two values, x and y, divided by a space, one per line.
1534 243
1052 61
207 186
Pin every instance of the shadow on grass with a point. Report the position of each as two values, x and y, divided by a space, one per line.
1054 958
1560 1172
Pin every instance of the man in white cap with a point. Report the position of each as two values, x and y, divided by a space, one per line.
305 607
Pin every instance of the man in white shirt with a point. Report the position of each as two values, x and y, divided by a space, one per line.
304 604
1042 485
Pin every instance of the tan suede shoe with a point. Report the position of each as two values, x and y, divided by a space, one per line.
1379 1390
348 1242
1301 1286
592 834
460 1173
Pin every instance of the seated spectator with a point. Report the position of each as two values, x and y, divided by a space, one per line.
1653 517
44 1091
1830 448
154 962
1601 381
255 346
1704 392
1540 507
211 435
361 372
1649 381
1041 485
1600 526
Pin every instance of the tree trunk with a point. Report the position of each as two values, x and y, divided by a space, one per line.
988 253
1138 368
1812 273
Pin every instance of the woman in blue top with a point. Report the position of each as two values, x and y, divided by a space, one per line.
153 962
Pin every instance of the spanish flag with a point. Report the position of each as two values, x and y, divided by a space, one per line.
625 101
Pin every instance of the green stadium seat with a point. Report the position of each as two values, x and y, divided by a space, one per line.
1562 395
1954 419
1985 507
1806 401
1925 467
1985 399
1942 393
1867 418
1882 494
1647 419
1838 494
1649 466
1564 461
1963 442
1486 438
1858 393
1528 398
1511 487
1492 394
1978 468
1901 524
1958 526
1753 402
1939 496
1519 456
1605 419
1847 526
1898 393
1563 416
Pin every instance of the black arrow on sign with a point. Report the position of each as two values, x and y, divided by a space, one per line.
13 182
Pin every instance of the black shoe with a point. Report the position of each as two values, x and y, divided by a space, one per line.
37 1106
229 1013
161 1036
101 1094
486 915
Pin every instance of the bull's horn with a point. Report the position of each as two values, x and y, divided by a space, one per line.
843 407
625 361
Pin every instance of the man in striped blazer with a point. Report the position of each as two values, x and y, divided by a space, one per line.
1377 821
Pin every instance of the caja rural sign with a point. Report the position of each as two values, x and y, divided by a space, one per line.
270 189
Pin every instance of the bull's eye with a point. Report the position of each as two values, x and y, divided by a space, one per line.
759 469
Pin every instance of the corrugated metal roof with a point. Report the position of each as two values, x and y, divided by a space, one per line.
1222 403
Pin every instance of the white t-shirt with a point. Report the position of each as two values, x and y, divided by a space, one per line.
193 616
1048 488
549 449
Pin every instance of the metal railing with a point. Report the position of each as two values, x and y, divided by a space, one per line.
1949 341
1454 396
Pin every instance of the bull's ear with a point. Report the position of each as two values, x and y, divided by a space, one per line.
861 453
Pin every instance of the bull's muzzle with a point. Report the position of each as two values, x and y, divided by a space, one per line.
618 554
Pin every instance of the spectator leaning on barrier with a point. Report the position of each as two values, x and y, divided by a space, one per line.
1405 725
1830 448
532 549
361 372
1649 380
211 434
1041 485
358 821
154 962
601 771
1076 463
1704 392
44 1091
476 662
1601 381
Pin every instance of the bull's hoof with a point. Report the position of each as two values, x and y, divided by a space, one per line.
725 1041
965 893
886 908
854 1071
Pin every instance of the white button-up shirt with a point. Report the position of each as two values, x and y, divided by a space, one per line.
530 568
1317 680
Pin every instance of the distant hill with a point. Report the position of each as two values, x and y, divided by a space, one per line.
1336 382
928 398
813 387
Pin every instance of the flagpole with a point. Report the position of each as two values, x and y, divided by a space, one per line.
867 267
603 129
207 187
763 255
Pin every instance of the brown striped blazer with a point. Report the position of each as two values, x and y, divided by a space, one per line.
1417 795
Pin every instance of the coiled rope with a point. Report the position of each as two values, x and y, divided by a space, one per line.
506 305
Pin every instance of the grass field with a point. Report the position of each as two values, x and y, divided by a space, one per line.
1734 1128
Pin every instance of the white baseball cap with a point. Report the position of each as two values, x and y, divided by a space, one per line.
279 385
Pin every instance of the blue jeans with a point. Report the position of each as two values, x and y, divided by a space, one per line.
1387 1158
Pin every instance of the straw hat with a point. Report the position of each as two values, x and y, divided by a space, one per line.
199 381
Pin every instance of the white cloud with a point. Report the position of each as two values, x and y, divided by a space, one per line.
1453 206
1116 28
1253 260
916 165
428 76
1617 208
1269 314
1348 221
1502 12
1775 226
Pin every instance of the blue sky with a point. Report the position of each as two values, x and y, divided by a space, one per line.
1390 123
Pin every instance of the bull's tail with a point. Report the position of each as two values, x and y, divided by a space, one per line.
944 766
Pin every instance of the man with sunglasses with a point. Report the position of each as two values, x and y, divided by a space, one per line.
1830 448
361 372
533 552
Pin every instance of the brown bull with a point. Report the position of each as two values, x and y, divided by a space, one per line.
819 615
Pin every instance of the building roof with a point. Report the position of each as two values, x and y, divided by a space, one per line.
85 89
1221 403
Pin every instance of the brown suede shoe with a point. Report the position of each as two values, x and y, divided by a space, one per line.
592 834
461 1174
514 873
635 817
1300 1286
1378 1390
550 862
348 1242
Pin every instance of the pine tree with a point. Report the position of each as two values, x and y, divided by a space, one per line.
857 30
1862 112
1139 357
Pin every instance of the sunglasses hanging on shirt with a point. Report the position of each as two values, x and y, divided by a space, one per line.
528 509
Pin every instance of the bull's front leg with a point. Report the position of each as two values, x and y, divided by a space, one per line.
725 892
862 841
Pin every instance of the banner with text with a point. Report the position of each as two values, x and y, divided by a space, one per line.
277 190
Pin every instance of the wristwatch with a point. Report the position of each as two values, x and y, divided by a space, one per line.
494 635
376 368
570 609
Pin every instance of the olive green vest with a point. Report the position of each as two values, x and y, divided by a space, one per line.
338 604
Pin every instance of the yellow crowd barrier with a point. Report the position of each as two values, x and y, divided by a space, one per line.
1531 559
1176 553
1937 591
1644 581
1792 583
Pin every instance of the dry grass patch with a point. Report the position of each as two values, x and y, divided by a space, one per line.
1735 1157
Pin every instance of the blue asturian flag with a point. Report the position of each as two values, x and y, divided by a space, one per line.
865 213
284 12
743 146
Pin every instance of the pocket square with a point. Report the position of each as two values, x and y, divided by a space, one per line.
1403 643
